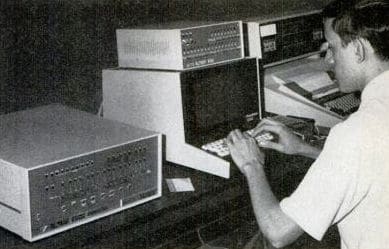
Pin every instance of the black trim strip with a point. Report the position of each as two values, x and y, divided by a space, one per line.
9 207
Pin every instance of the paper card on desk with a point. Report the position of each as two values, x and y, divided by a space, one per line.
298 89
313 81
277 79
283 88
318 83
179 184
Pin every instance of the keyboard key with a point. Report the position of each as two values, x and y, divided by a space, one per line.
343 105
220 146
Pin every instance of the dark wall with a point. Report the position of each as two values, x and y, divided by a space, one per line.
54 51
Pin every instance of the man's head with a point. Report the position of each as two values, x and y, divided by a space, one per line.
357 33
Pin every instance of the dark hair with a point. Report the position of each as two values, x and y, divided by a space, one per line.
368 19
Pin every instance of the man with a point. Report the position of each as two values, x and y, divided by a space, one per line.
348 184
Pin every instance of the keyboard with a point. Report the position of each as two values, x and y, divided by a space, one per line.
220 147
344 105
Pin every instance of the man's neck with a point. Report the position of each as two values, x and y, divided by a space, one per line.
375 69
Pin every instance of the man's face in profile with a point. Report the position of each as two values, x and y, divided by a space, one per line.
341 58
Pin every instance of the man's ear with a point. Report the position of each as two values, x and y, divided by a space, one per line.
360 49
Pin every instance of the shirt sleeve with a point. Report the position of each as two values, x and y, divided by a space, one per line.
319 200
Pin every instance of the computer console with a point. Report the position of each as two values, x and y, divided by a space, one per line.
60 168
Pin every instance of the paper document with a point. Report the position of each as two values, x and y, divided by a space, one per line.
313 81
179 184
318 83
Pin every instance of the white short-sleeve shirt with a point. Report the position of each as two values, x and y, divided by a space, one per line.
348 184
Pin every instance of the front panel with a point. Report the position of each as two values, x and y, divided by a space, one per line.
184 46
288 38
211 44
68 192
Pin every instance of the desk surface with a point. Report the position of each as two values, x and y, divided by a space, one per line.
218 207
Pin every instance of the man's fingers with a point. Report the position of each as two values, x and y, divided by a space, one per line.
269 121
264 122
229 139
234 136
270 145
272 128
247 136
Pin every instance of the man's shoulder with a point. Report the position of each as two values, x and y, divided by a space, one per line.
352 124
360 127
353 129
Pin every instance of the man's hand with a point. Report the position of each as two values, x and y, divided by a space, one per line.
276 226
287 143
244 151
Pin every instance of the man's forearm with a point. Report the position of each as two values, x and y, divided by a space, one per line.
279 229
308 150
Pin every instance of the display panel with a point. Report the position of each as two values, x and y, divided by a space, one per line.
295 37
219 99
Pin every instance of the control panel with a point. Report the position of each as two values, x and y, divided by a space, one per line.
79 188
180 46
211 44
281 39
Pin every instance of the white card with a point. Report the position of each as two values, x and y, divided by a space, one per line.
179 184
